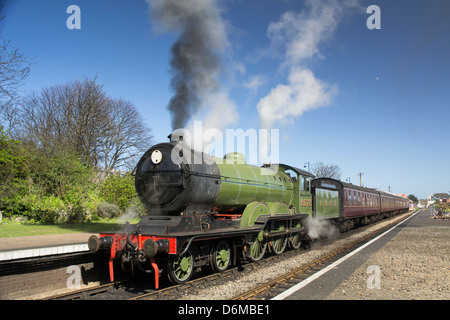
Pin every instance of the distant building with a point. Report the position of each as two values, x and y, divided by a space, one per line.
442 197
430 201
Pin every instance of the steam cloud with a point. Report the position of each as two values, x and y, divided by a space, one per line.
299 35
195 59
318 229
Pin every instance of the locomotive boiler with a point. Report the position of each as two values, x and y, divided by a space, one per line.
172 179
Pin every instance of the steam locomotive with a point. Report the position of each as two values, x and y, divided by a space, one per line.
206 211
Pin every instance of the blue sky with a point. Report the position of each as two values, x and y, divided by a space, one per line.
388 89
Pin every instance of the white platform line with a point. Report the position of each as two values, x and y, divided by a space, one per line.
39 252
318 274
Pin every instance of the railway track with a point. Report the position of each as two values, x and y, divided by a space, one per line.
127 290
83 293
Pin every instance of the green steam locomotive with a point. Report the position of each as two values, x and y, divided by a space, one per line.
206 211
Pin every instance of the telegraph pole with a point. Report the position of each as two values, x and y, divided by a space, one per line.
360 174
307 163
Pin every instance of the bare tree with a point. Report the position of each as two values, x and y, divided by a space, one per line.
78 117
69 118
14 68
38 120
322 170
85 109
125 137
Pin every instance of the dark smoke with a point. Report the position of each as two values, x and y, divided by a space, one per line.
195 61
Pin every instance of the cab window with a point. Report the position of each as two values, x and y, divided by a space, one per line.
308 184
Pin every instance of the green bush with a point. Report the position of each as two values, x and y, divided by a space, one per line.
50 210
18 205
119 190
91 200
95 217
107 210
77 214
11 176
63 175
58 187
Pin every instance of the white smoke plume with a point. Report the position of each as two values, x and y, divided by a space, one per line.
130 214
299 36
195 60
319 229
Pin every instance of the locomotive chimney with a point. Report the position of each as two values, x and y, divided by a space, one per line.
175 137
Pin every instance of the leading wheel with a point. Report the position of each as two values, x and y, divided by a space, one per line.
221 256
181 269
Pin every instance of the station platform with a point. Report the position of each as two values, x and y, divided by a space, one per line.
43 245
409 261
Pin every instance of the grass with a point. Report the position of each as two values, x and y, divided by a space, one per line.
19 229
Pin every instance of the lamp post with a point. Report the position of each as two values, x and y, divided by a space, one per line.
360 174
307 163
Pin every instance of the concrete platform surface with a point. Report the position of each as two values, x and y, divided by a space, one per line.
411 261
35 246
